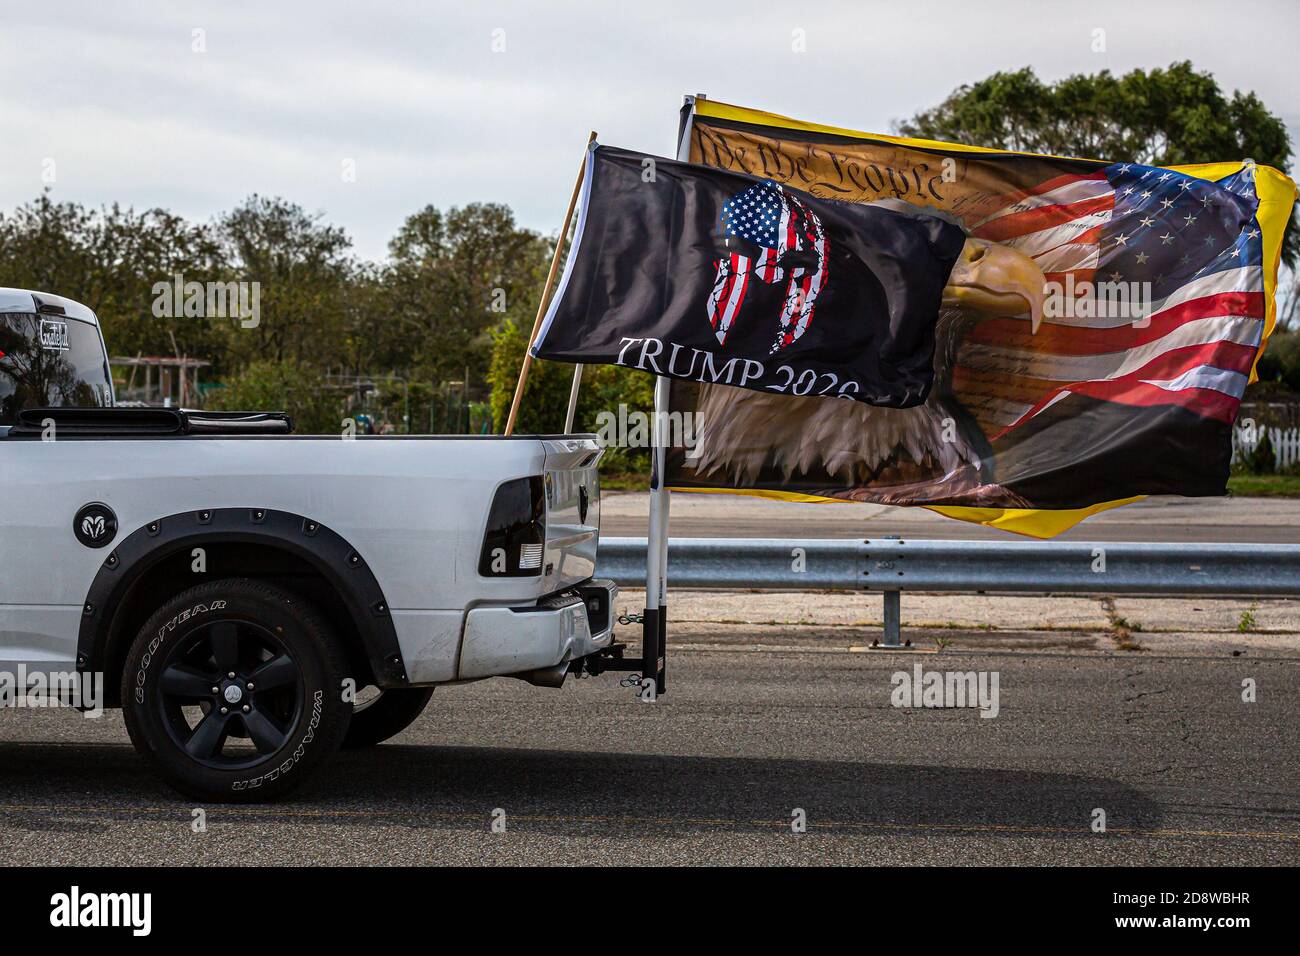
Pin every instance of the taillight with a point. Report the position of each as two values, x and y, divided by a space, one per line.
515 541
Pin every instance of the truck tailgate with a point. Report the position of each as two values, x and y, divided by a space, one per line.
572 511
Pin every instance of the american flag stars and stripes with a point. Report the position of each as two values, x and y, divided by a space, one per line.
768 217
1122 379
1192 251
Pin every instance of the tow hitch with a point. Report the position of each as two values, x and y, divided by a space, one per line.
614 658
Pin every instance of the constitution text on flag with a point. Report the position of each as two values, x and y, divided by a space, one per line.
1158 300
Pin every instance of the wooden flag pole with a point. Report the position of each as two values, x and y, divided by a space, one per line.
546 292
573 399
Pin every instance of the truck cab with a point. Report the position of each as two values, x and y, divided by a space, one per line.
51 354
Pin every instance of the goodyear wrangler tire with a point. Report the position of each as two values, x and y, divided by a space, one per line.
385 716
233 691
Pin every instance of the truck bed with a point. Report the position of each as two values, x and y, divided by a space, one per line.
413 508
137 423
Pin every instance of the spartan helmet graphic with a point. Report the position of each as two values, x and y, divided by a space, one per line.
771 236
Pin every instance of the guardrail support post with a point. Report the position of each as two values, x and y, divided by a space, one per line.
893 619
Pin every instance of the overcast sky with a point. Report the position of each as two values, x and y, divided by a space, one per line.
415 95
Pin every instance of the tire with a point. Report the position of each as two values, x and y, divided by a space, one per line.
386 716
274 733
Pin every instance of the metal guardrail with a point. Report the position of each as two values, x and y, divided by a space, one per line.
890 564
893 565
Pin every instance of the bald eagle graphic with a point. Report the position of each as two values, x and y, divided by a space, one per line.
930 452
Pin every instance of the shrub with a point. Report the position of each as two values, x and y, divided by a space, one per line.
276 387
546 396
1262 460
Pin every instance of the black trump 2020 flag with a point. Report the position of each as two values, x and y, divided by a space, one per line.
712 276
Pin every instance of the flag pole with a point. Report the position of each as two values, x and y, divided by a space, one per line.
653 621
546 294
654 633
573 399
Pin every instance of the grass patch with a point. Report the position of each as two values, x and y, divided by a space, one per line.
1264 486
1121 630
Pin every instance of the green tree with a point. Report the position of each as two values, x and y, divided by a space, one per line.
454 300
1281 361
110 259
303 269
49 246
1288 309
365 332
1163 117
546 396
282 386
454 277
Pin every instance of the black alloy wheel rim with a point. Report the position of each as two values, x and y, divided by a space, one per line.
226 681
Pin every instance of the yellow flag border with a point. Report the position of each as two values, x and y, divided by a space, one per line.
1276 193
1033 523
1275 190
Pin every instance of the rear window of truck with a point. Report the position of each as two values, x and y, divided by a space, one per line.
48 360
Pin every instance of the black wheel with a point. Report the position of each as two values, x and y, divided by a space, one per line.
384 713
233 691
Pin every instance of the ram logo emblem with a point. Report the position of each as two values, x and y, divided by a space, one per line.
95 525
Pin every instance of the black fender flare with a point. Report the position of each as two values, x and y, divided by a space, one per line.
338 562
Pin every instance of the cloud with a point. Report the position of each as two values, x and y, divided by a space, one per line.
416 96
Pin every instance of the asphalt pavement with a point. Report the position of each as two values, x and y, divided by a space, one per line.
1127 711
716 771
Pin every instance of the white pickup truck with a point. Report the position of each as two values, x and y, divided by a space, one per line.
233 583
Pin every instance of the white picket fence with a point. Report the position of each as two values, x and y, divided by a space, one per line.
1286 444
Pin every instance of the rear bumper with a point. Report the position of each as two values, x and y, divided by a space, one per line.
561 628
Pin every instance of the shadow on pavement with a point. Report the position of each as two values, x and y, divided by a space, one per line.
549 791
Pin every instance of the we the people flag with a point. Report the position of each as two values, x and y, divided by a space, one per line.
1123 381
737 281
